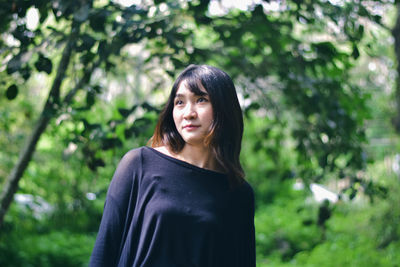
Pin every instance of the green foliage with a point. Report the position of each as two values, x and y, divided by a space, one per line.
287 226
358 233
310 74
50 249
277 51
306 97
355 237
268 156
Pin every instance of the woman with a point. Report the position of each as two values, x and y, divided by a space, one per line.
183 201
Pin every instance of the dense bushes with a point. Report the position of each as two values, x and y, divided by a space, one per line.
55 248
359 233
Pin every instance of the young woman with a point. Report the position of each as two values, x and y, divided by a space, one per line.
183 201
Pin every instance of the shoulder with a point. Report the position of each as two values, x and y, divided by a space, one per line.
247 204
133 155
245 194
127 171
245 189
130 161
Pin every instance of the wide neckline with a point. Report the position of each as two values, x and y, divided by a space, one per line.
184 163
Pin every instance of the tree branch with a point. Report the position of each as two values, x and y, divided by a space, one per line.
52 104
84 80
396 35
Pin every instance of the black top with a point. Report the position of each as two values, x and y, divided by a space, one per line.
164 212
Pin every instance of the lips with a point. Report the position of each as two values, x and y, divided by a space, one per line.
191 126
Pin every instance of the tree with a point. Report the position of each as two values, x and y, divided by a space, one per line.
87 47
52 103
297 58
274 55
396 36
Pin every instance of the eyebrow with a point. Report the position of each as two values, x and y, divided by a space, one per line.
200 94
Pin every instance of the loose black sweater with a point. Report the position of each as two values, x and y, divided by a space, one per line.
164 212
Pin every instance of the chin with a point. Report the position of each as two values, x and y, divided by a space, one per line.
194 141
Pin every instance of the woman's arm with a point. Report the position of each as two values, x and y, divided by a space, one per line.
106 248
122 189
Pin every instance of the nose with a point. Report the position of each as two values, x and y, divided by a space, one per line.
189 112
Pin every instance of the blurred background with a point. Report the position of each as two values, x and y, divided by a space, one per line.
82 82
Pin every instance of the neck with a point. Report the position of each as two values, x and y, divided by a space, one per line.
199 156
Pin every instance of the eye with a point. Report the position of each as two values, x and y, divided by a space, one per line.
202 99
178 102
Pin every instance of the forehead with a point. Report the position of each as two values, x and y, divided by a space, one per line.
190 88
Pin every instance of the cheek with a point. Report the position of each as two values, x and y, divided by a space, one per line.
211 111
209 115
175 116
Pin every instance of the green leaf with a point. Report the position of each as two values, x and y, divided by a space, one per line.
82 14
124 112
87 57
94 163
25 72
43 13
87 43
356 53
44 64
14 64
102 50
12 92
149 107
128 132
326 49
90 98
22 34
109 143
98 19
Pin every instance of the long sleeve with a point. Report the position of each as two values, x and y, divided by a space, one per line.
106 248
246 230
251 232
119 204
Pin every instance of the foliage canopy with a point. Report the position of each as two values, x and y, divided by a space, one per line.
291 65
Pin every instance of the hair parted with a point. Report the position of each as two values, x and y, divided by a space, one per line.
226 131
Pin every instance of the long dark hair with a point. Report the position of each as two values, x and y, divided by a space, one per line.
225 136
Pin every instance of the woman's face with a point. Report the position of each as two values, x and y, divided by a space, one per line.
193 115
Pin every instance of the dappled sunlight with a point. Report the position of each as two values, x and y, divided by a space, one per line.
84 82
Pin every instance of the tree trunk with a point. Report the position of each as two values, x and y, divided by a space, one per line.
396 35
49 111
